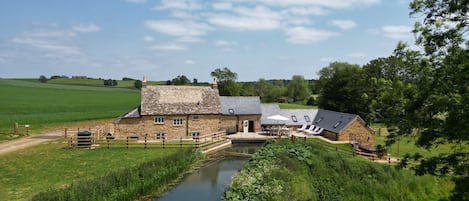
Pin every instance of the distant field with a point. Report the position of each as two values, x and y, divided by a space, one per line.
295 106
41 105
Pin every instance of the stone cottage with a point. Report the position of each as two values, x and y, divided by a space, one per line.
174 112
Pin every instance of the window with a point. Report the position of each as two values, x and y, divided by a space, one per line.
159 120
319 120
231 111
337 124
195 118
195 134
294 119
178 121
160 136
307 118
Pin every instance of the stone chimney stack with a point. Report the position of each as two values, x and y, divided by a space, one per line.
144 82
214 84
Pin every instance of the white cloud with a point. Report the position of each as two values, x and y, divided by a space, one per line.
86 28
224 43
190 62
180 5
168 47
49 40
177 28
335 4
137 1
189 39
310 10
244 23
343 24
148 38
222 5
397 32
302 35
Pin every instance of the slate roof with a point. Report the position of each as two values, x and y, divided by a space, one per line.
269 110
240 105
179 100
133 113
300 115
333 121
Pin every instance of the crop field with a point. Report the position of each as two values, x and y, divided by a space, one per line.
42 105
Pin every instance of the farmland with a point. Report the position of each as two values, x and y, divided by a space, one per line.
42 105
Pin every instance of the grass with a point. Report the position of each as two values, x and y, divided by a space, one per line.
42 105
304 171
407 145
295 106
50 166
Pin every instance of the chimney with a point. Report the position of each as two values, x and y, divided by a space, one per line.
214 84
144 82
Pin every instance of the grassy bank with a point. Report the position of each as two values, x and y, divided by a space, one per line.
42 105
407 146
304 171
51 166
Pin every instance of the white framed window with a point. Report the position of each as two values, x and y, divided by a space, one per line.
195 118
294 119
159 120
178 121
160 136
195 134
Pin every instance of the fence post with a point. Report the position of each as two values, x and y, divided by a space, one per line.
127 144
71 142
180 142
16 128
107 143
65 133
146 141
164 139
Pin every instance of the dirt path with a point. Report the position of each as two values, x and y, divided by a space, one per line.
14 145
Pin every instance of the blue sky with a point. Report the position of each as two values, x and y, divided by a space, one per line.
271 39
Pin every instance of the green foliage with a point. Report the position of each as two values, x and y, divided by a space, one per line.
126 184
43 105
226 80
138 84
42 79
304 171
298 89
180 80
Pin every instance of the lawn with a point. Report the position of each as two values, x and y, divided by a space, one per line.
42 105
51 165
407 145
295 106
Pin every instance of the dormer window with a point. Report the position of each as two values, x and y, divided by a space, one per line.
337 124
319 120
231 111
294 119
307 118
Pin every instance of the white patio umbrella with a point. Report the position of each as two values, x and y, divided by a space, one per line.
278 117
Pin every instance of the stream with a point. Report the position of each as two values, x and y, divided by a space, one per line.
210 181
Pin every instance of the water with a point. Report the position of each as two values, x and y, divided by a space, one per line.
210 181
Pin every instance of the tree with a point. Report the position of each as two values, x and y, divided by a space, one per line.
181 80
298 89
226 80
42 79
195 81
138 84
440 110
341 88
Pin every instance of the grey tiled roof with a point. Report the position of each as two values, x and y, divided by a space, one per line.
269 110
170 100
333 121
299 114
240 105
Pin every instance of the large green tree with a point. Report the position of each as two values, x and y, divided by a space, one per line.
226 79
439 112
341 88
298 89
181 80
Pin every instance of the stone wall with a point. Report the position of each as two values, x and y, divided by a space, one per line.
329 135
236 121
204 124
357 131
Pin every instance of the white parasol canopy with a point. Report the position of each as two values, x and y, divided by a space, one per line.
278 117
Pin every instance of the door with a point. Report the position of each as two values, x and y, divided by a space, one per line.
251 126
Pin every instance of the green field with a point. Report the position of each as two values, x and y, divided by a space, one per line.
407 146
295 106
51 165
41 105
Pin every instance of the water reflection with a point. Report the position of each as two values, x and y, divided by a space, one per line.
209 182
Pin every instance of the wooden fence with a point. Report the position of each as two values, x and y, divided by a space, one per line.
96 140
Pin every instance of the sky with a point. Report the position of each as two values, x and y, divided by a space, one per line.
269 39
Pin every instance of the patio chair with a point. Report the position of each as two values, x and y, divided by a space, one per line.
310 129
317 132
305 126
